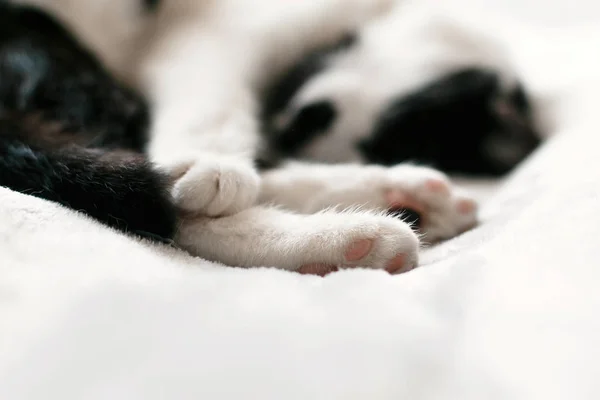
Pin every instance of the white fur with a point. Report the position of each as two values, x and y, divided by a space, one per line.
200 64
274 238
215 186
310 188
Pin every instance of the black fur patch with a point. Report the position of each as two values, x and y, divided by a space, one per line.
409 216
463 122
44 70
458 123
151 5
306 125
70 133
120 189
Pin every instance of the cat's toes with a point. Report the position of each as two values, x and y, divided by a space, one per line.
422 197
215 186
443 211
361 240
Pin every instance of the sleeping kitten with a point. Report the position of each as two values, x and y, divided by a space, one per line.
417 84
200 65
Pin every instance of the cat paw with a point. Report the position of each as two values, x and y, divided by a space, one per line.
214 185
309 244
421 196
359 240
439 209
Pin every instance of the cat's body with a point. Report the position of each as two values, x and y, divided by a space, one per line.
200 65
416 84
70 133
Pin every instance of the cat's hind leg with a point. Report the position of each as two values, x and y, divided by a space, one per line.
317 244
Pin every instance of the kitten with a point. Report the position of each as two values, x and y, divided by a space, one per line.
413 85
200 65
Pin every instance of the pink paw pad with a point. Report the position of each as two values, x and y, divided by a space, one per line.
319 269
396 264
358 250
466 206
438 186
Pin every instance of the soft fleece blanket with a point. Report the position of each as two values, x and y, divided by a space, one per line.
508 311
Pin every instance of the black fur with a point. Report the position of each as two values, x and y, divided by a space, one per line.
151 5
70 133
308 123
409 216
459 123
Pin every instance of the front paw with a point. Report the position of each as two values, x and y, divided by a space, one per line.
443 210
422 196
215 185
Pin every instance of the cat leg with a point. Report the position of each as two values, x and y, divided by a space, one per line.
201 73
207 147
442 210
204 131
316 244
205 134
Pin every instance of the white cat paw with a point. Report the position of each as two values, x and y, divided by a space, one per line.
442 211
215 185
310 244
359 240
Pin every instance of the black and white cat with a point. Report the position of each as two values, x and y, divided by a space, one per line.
200 64
416 84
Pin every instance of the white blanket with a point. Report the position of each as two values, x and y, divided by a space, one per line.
507 311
